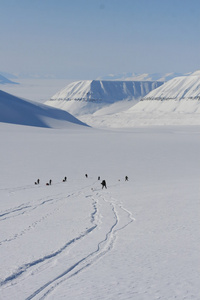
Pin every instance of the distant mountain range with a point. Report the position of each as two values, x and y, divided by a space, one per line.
112 103
143 77
177 102
121 76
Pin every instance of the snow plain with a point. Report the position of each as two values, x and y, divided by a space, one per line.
135 240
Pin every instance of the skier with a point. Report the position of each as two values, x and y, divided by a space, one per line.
98 177
126 178
37 182
50 181
103 184
86 175
65 179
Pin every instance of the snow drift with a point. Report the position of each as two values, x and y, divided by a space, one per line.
82 97
19 111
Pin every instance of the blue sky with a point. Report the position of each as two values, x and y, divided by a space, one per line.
85 39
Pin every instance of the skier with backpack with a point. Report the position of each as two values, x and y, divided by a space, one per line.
103 183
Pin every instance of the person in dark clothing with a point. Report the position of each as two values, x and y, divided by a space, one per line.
50 181
98 177
86 175
103 183
65 179
126 178
38 181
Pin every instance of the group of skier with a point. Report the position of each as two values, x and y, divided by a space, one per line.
103 183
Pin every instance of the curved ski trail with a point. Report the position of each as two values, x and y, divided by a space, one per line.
107 218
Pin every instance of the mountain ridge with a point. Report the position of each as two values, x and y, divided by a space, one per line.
144 76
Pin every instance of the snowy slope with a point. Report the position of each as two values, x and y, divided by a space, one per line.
136 240
88 96
179 95
185 87
19 111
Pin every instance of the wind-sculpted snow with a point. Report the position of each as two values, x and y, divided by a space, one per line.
88 96
19 111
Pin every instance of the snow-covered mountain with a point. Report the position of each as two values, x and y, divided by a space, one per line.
176 102
4 80
185 87
143 77
82 97
19 111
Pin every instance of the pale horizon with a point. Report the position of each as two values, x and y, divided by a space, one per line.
87 39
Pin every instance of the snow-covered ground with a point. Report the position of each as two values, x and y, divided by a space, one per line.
135 240
147 113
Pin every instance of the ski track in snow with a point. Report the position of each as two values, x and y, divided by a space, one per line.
102 203
30 206
27 208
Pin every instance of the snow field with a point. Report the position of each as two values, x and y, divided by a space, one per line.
72 240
